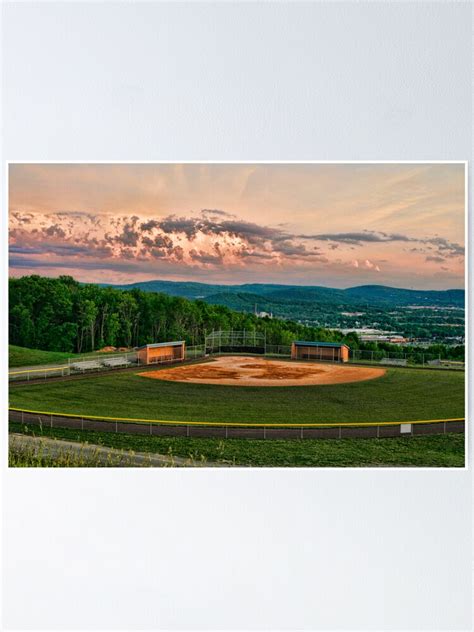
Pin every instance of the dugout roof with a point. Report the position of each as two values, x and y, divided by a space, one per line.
334 345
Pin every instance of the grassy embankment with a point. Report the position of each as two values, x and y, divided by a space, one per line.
400 395
38 456
423 451
21 356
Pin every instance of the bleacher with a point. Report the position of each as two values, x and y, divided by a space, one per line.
113 363
87 365
394 361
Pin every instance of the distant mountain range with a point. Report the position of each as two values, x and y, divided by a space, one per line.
245 296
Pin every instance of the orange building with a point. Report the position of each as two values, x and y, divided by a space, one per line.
161 352
333 351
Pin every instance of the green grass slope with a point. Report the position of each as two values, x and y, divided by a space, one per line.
422 451
400 395
21 356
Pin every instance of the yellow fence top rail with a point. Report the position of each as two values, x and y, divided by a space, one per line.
138 420
54 368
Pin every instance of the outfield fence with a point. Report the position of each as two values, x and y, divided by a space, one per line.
223 430
403 358
192 353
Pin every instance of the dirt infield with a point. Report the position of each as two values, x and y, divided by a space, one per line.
251 371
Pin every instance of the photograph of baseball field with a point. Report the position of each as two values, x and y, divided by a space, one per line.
237 314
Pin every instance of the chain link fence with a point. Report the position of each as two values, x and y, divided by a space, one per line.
414 358
183 429
84 365
105 362
197 351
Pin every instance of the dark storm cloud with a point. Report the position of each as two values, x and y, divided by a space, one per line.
257 255
253 233
213 237
290 249
54 231
205 257
358 238
129 237
172 224
442 245
24 218
148 226
158 253
147 241
216 211
445 247
178 253
44 248
114 265
163 241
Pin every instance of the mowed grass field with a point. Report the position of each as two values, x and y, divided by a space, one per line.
400 395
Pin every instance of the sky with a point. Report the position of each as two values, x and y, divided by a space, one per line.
337 225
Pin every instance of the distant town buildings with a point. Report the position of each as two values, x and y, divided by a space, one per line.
367 334
262 314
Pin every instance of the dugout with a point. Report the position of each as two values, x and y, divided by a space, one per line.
330 351
161 352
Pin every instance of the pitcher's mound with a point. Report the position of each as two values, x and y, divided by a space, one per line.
250 371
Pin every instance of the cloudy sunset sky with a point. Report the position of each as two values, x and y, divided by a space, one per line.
310 224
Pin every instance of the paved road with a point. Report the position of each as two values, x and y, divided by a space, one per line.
103 454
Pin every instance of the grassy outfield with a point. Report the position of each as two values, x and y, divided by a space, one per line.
422 451
400 395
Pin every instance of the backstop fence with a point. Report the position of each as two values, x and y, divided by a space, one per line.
155 427
235 341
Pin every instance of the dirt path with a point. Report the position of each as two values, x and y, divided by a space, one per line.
252 371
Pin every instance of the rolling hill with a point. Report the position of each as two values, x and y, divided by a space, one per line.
250 293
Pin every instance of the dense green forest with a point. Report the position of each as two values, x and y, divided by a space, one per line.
64 315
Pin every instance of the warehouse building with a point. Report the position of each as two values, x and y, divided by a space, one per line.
330 351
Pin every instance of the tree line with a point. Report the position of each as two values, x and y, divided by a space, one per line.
65 315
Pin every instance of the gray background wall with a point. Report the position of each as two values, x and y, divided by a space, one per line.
237 549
